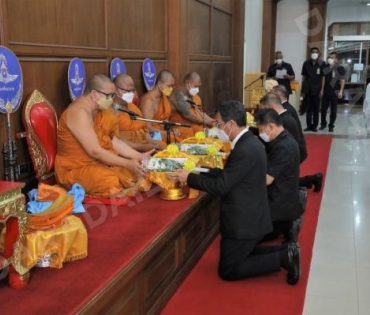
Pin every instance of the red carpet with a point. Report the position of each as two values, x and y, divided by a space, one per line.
117 234
203 293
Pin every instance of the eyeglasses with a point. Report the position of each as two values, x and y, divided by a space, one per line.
220 123
107 95
122 89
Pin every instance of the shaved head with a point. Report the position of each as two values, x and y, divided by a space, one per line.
164 76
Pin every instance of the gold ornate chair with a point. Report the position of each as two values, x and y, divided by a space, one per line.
41 123
15 221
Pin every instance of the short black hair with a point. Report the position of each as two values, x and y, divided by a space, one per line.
334 53
314 48
233 110
266 116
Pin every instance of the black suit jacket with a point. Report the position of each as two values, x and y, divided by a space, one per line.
242 186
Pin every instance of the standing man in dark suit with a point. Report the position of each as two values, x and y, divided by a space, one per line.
333 89
245 216
313 79
282 72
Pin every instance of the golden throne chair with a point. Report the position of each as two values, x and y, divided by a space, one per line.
41 123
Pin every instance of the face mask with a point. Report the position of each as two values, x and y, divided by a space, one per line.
104 103
221 134
194 91
167 91
330 61
279 61
264 136
314 56
128 97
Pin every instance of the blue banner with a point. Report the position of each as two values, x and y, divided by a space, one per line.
11 81
76 78
149 73
117 66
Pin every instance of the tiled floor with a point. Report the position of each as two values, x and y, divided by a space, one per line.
339 280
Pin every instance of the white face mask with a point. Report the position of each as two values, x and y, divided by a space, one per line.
194 91
314 56
128 97
221 134
279 61
330 61
265 137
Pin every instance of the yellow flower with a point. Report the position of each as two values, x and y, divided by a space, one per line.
200 135
189 165
212 150
172 149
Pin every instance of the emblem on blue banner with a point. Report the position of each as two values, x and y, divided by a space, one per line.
11 81
117 66
149 73
76 78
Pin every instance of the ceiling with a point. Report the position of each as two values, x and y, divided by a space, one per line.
347 3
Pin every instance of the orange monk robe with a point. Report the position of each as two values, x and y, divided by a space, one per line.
186 132
163 113
74 165
131 129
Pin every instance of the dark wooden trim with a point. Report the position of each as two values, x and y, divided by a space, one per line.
167 261
268 33
315 37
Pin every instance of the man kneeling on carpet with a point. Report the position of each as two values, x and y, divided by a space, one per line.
245 216
282 176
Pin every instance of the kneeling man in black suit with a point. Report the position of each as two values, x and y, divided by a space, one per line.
245 216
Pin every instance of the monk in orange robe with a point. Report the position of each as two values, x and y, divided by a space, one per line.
155 105
187 106
133 131
89 150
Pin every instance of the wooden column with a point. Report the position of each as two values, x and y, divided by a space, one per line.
316 24
268 33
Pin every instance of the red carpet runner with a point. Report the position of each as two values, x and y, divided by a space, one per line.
203 293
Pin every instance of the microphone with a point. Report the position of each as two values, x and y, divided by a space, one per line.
197 106
123 109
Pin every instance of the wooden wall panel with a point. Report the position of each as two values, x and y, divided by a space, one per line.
180 35
131 27
224 5
205 70
199 28
61 22
222 88
222 29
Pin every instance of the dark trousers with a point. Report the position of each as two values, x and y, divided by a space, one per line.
279 227
332 101
312 103
240 259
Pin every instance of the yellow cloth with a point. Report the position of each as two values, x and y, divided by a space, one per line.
66 243
74 165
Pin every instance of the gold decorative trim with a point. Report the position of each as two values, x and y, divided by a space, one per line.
37 151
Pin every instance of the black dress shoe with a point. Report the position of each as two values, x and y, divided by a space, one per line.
314 129
292 235
317 182
331 129
307 129
322 127
291 261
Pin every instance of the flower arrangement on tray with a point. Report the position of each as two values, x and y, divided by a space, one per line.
206 149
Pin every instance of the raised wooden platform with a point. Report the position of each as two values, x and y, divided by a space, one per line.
158 244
